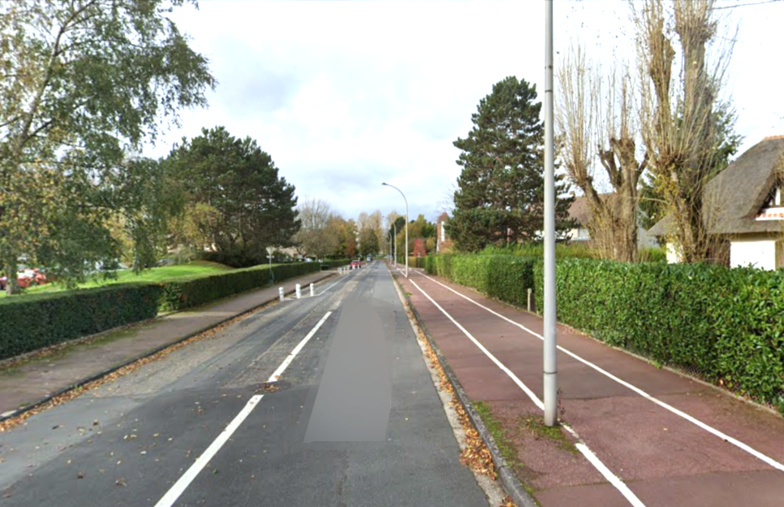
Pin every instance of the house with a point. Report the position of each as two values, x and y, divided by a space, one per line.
743 206
443 241
580 213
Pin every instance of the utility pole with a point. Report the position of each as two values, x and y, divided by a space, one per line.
550 341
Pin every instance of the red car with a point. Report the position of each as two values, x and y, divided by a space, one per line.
25 278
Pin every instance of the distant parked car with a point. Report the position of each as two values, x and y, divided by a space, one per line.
25 278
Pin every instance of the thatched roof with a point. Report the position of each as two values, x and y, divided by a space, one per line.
580 210
735 196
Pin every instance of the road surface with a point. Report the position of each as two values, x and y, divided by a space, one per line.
324 400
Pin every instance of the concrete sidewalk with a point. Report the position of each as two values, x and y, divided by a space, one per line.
38 379
662 438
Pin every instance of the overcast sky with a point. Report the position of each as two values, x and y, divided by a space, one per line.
347 95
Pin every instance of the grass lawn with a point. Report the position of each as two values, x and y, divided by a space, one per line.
148 275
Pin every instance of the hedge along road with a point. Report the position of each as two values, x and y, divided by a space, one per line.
656 438
324 400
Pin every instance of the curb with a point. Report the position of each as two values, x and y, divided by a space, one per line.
509 480
86 380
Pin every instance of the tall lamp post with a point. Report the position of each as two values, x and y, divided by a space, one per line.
550 340
406 201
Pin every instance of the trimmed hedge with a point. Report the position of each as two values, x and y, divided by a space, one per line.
187 292
47 319
38 321
725 325
505 277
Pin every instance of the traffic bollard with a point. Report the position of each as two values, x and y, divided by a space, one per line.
312 290
299 292
280 293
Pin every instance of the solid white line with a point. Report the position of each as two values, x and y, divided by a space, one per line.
285 364
179 487
325 290
612 478
737 443
595 461
498 363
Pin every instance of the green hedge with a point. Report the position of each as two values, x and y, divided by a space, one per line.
505 277
725 325
187 292
38 321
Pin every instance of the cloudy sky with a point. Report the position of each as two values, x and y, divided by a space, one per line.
345 95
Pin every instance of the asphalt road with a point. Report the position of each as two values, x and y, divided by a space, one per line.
353 419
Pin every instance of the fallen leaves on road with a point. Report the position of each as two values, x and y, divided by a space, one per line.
474 454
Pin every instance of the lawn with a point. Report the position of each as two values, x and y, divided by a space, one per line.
148 275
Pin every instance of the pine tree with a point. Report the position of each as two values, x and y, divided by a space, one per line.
251 206
500 192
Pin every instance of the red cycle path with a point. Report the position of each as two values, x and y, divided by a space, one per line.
663 458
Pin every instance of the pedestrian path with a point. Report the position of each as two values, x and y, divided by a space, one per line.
638 435
35 381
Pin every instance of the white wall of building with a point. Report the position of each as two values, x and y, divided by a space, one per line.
759 253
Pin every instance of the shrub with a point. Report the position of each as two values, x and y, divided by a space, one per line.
187 292
723 324
41 320
38 321
505 277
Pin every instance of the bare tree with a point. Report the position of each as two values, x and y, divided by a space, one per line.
315 237
679 120
596 122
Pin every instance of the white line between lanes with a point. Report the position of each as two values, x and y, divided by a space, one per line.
581 446
286 362
179 487
737 443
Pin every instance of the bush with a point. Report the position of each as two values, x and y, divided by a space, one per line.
505 277
41 320
723 324
187 292
335 263
38 321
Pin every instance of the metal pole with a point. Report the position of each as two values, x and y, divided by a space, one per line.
394 253
406 201
550 340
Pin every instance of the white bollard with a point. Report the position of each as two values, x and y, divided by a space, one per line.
299 292
280 293
312 290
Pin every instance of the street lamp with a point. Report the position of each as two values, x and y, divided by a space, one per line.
406 201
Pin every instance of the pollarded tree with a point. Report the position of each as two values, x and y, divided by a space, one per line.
683 63
597 121
253 207
500 195
81 81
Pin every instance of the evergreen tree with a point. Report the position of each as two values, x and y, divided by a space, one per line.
500 192
252 207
